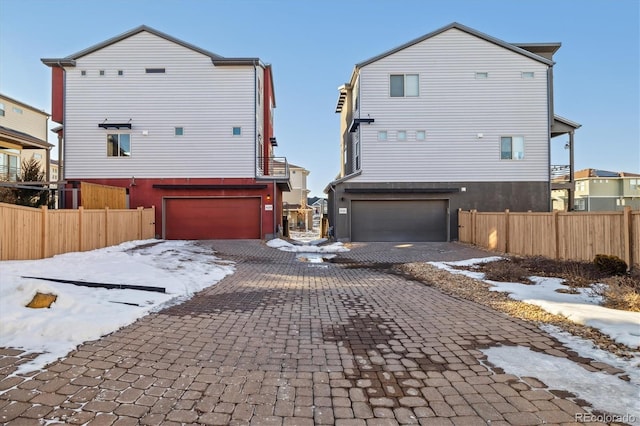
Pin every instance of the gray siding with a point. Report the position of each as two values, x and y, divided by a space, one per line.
206 100
453 108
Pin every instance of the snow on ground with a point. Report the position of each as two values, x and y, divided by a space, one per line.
582 308
604 391
306 248
81 313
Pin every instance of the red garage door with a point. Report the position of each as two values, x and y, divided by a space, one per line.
212 218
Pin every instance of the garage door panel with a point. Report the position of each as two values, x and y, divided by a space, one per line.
212 218
399 220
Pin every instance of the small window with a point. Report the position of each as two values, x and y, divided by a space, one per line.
527 74
402 135
403 85
17 110
382 135
482 75
421 135
237 131
1 109
179 131
512 148
101 72
119 145
120 72
83 73
154 70
634 183
37 156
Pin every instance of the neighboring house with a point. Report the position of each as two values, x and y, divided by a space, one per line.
455 119
601 190
296 210
183 129
23 135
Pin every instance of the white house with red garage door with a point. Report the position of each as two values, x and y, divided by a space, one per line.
181 128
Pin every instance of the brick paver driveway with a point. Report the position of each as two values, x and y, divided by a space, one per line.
286 342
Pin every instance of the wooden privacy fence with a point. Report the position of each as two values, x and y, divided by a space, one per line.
96 196
28 233
557 235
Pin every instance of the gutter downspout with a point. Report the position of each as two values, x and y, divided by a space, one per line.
62 147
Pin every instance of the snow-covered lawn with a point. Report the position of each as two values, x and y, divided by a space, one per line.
80 313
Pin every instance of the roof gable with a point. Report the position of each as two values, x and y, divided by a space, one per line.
137 30
467 30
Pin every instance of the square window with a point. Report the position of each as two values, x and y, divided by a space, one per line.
101 72
120 72
512 148
83 73
179 131
403 85
382 135
119 145
402 135
237 131
482 75
527 74
421 135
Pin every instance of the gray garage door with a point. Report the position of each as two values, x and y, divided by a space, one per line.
399 220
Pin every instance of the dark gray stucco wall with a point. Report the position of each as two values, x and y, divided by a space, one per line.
482 196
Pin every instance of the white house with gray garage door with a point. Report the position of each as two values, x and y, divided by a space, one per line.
455 119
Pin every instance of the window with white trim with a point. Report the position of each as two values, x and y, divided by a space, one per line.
512 148
527 75
401 135
1 109
9 164
382 135
482 75
236 131
404 85
421 135
119 145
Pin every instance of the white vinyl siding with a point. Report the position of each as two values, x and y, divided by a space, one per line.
455 107
205 99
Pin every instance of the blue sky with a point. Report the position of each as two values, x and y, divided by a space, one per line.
313 46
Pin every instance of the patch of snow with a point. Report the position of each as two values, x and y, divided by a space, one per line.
611 394
287 246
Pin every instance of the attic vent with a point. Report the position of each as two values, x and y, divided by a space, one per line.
154 70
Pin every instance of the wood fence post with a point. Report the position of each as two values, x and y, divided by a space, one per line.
626 228
506 230
80 220
140 211
106 226
473 227
45 232
556 233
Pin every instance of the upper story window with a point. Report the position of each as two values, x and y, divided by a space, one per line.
101 72
512 148
120 72
421 135
382 135
83 73
178 131
1 109
236 131
154 70
527 74
401 135
482 75
634 183
17 110
581 186
119 145
403 85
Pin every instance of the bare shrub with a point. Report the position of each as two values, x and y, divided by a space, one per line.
506 270
621 292
611 265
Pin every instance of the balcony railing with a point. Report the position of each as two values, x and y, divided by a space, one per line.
272 168
559 171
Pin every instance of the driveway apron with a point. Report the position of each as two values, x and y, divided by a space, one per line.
287 342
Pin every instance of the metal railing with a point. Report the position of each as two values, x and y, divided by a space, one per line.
559 170
272 168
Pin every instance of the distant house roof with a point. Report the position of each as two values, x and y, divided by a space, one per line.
22 104
23 139
216 59
597 173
